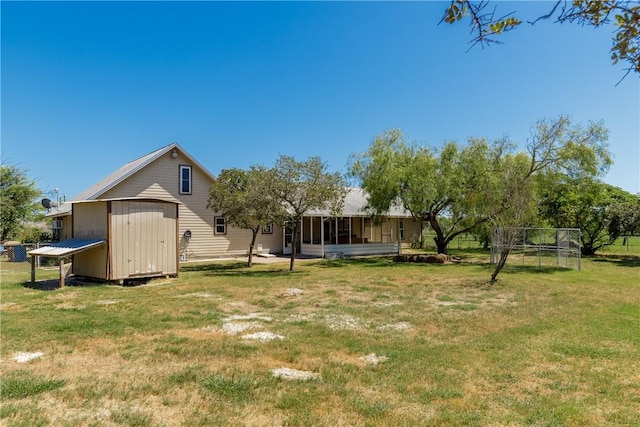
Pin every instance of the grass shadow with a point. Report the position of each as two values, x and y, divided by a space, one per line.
235 269
43 285
620 260
532 269
54 284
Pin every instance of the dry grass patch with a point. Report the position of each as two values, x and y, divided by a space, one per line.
549 347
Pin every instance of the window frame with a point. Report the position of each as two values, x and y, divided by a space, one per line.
216 225
181 179
268 229
401 228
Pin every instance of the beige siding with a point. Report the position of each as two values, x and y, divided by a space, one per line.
66 232
238 240
90 222
92 263
160 179
412 230
143 239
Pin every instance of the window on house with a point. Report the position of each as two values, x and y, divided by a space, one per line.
401 227
268 229
185 179
220 225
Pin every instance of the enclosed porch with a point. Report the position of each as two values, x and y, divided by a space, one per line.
350 236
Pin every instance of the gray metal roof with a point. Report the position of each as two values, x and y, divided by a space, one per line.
95 191
355 204
68 247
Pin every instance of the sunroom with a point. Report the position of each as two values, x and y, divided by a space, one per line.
356 232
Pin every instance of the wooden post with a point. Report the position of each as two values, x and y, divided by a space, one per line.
61 272
33 269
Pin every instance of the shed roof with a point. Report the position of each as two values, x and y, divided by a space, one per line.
68 247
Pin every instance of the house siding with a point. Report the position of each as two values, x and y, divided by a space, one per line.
161 179
90 221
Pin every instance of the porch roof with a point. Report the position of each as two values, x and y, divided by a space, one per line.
355 205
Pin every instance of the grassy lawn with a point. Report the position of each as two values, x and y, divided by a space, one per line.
542 347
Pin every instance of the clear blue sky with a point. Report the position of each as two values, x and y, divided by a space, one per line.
88 86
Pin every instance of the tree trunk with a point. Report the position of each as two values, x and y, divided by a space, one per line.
294 244
501 262
252 245
441 243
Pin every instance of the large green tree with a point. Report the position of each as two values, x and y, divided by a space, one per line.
301 186
457 188
585 203
17 194
486 23
447 188
624 217
246 198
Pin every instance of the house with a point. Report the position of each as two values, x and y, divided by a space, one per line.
172 174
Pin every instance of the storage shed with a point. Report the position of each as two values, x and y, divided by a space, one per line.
119 239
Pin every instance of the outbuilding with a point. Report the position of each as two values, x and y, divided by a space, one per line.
119 239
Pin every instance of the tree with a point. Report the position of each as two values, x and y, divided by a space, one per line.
517 209
455 189
304 186
625 14
447 188
246 200
585 203
17 194
624 217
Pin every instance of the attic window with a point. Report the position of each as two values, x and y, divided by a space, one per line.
185 179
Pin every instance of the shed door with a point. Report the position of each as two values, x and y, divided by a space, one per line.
147 239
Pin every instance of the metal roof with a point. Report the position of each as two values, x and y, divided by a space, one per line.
356 204
68 247
95 191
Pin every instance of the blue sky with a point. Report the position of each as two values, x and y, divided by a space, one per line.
87 87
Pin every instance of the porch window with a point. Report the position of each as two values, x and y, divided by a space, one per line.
268 229
306 229
220 225
344 230
185 179
401 228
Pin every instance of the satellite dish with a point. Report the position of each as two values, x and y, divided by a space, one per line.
46 203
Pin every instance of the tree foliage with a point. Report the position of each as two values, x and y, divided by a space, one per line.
246 200
457 188
624 217
518 205
302 186
585 203
448 188
485 23
17 194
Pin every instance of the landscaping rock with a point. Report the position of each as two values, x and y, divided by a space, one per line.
263 336
294 374
425 258
374 359
22 357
